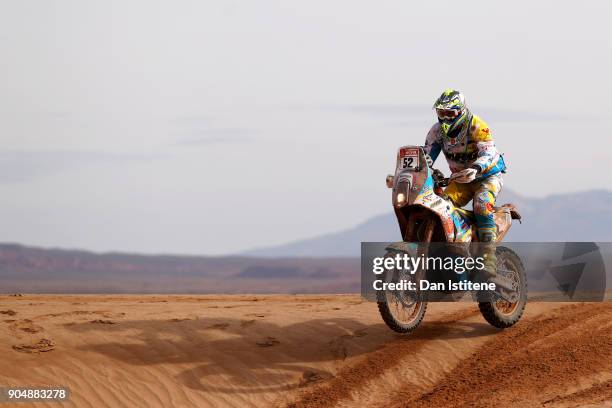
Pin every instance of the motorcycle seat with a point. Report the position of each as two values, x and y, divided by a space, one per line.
511 208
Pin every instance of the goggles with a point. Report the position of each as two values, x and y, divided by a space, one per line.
448 113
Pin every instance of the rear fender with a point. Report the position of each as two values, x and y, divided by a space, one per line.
503 219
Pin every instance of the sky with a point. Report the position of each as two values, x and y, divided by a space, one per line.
212 127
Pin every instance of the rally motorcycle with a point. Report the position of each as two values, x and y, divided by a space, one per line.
425 217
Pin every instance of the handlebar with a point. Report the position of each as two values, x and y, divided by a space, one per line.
439 178
443 182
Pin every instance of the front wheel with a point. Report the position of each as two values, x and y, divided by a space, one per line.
401 310
502 313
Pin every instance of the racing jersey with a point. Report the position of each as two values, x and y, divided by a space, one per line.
472 146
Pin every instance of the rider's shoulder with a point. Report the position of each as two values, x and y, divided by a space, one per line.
480 130
434 131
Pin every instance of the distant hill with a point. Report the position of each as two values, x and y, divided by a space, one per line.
582 216
39 270
324 264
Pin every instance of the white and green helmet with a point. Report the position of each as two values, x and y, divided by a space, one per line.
451 110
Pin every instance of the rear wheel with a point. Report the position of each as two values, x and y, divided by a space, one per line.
499 312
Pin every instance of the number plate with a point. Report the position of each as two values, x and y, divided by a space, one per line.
408 158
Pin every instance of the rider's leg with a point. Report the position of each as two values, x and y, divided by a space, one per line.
459 193
484 207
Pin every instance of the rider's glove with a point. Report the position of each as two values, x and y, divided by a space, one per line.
429 160
464 176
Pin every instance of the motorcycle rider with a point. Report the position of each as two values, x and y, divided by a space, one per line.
476 166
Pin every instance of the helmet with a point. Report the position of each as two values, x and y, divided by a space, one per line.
452 112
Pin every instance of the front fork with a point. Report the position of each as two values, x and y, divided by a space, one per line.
423 235
426 229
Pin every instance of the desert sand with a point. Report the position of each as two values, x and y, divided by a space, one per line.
300 351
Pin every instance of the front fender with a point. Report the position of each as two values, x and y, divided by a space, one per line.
441 214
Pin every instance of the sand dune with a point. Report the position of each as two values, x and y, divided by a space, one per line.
301 351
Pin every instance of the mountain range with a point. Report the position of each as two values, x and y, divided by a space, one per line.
324 264
26 269
579 216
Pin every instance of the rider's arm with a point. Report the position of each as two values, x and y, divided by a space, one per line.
487 152
487 155
432 145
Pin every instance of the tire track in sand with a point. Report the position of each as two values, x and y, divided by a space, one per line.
375 364
513 367
539 362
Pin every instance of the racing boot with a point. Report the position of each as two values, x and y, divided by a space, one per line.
487 237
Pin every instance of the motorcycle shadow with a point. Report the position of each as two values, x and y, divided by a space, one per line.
231 356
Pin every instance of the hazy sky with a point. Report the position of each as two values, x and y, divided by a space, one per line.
214 126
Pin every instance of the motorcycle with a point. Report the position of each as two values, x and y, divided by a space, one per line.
425 216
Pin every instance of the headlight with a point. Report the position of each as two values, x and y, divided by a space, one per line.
400 193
